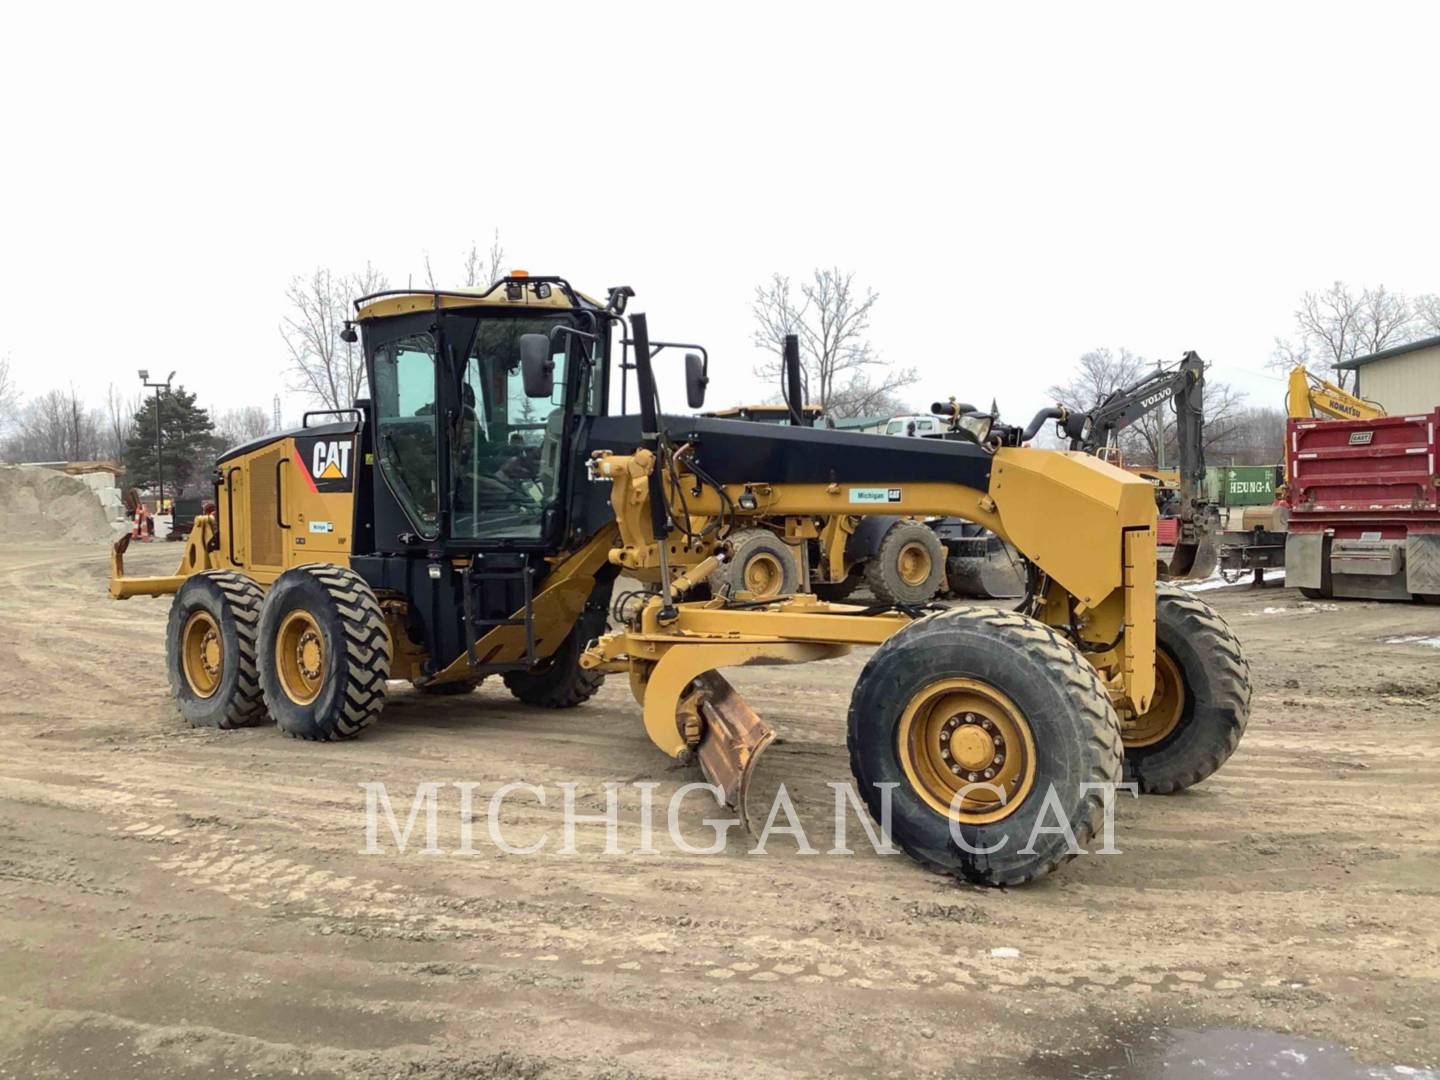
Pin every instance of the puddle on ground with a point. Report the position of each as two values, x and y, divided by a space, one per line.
1186 1054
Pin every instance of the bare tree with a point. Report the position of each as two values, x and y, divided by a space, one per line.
9 393
1255 436
1329 322
1338 324
842 372
323 365
482 268
1386 319
56 426
119 415
1427 315
236 426
1099 373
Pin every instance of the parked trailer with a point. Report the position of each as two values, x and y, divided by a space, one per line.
1364 500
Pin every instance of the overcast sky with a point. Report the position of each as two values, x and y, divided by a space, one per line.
1020 183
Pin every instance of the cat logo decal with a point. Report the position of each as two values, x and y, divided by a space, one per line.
325 463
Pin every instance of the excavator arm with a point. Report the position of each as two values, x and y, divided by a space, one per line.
1311 396
1184 385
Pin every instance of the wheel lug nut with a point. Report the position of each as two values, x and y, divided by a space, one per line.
989 773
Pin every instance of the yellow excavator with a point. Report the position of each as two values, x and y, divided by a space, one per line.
1311 397
469 519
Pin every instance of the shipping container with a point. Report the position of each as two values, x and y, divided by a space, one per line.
1241 485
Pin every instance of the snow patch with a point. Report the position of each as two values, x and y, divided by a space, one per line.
1415 639
1217 580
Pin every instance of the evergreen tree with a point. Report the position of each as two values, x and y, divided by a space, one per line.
186 435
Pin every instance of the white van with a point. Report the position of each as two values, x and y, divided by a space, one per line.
916 424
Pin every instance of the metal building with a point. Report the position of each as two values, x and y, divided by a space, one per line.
1404 379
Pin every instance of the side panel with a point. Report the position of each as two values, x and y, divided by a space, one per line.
1422 564
287 503
317 511
1363 467
1305 558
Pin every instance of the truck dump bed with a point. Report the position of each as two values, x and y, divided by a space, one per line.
1364 501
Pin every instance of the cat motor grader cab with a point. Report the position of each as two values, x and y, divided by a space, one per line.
900 560
470 518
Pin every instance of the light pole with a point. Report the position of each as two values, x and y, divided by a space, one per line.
159 459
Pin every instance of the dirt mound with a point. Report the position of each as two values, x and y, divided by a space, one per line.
41 504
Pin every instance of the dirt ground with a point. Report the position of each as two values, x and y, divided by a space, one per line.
195 903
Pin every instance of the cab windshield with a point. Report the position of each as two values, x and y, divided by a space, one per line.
505 448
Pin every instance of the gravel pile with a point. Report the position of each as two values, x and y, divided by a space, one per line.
44 504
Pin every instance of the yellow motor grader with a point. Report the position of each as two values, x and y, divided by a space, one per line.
900 560
470 518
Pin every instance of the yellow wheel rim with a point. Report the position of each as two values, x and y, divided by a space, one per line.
914 564
202 653
960 732
764 576
300 657
1166 707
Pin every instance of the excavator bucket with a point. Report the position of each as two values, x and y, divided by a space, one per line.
993 576
1195 559
732 739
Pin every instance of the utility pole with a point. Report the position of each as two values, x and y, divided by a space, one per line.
159 456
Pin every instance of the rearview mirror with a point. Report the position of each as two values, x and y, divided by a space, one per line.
537 365
695 380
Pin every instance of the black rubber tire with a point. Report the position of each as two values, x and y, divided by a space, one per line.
559 682
882 570
1075 729
744 545
357 650
1217 696
836 592
449 689
234 601
1314 594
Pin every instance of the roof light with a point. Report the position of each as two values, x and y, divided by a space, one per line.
519 273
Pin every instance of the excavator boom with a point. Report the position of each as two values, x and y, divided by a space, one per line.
1312 397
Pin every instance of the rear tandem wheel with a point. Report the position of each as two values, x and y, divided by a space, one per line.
324 652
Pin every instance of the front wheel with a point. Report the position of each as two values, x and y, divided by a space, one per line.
558 681
760 564
987 725
1202 697
324 653
908 567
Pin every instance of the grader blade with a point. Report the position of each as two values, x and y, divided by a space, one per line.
732 741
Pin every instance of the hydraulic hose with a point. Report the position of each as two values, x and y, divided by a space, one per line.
1044 414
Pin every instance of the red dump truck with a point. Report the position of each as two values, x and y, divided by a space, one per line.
1364 503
